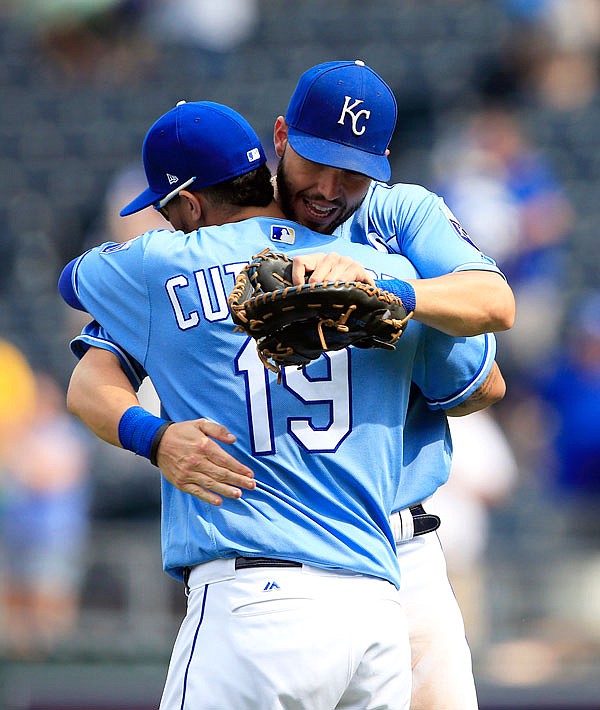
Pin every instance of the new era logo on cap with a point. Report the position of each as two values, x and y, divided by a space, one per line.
343 114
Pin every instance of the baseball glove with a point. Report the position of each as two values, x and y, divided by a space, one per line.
293 325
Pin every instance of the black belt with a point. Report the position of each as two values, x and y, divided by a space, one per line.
423 522
247 562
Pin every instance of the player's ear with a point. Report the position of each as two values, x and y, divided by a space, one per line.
280 133
192 206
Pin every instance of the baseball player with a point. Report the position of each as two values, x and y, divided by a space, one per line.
460 292
313 532
320 181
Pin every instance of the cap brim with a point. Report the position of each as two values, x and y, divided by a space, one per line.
143 200
341 156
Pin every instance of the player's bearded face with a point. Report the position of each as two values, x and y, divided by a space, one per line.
318 196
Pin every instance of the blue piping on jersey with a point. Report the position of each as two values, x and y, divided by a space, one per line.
465 392
129 368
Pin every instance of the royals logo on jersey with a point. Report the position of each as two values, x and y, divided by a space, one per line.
458 228
283 234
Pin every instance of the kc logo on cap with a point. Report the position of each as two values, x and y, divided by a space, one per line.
354 116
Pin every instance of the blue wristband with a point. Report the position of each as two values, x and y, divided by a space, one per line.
138 429
399 288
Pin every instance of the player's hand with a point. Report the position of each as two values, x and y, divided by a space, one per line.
191 459
328 267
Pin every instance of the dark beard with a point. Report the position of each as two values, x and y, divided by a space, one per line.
284 199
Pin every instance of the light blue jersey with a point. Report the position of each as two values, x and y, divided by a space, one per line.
326 445
411 220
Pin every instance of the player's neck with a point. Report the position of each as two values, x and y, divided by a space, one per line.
271 210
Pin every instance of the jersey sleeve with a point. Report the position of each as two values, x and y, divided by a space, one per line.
109 282
94 335
449 370
411 220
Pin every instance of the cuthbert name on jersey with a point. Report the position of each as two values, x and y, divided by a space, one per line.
211 286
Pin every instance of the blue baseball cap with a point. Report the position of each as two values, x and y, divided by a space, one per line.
343 114
195 145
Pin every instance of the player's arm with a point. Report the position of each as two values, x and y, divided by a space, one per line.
188 454
462 291
492 390
460 304
99 393
465 303
458 375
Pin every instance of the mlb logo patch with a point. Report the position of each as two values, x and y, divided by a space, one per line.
283 234
253 155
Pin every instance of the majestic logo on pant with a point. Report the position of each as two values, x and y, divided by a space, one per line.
270 586
354 117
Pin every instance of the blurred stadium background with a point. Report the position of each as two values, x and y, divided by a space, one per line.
499 112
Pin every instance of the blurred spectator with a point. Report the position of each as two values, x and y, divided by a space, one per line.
565 80
17 393
484 472
551 53
564 76
214 29
46 491
509 200
215 26
570 24
570 390
89 39
124 185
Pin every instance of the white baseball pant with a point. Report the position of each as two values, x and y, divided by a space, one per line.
441 658
293 638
